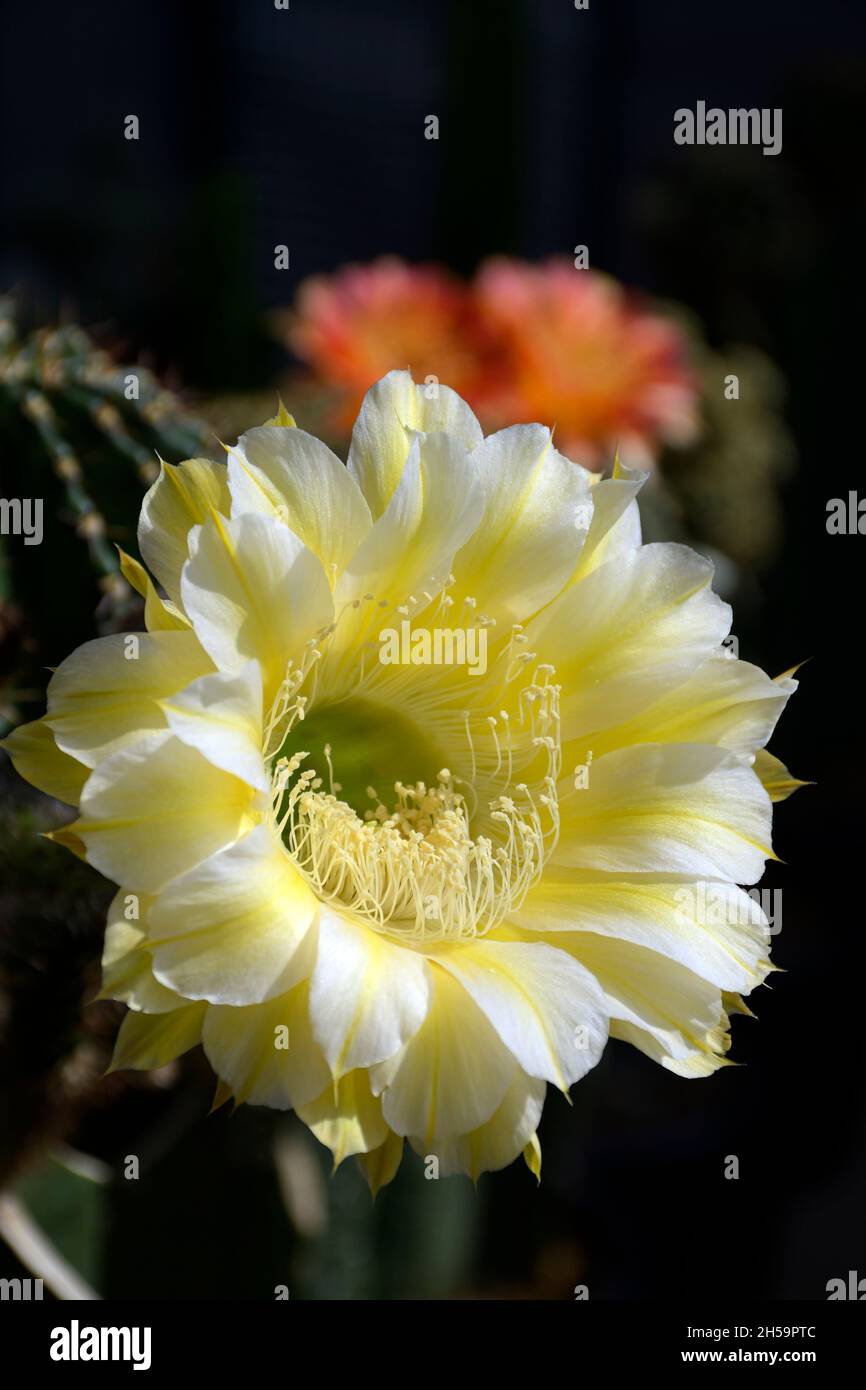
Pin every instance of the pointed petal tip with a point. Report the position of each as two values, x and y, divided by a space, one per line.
532 1158
792 670
223 1094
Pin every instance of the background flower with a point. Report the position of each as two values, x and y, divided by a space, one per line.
365 320
521 343
576 351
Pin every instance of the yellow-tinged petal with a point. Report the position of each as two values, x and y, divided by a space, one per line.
282 418
734 1004
183 496
532 1157
134 573
234 930
453 1073
127 972
666 1011
292 476
36 757
347 1117
66 837
679 808
727 702
380 443
539 1000
221 716
537 511
380 1165
630 632
152 1040
368 995
159 616
615 526
266 1053
496 1143
775 777
714 929
254 592
157 808
107 692
434 509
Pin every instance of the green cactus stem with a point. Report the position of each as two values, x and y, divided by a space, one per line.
84 434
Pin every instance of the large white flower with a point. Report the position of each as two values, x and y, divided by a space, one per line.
426 776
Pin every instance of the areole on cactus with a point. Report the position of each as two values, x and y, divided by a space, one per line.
82 435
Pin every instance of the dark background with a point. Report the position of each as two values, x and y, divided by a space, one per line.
306 128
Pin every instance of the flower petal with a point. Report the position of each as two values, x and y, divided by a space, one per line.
127 972
146 1041
726 702
266 1053
632 630
775 777
254 591
499 1140
434 509
714 929
159 616
452 1075
107 691
380 1165
547 1010
537 510
156 808
347 1117
676 808
368 995
380 444
182 497
663 1009
221 716
289 474
36 757
234 930
615 527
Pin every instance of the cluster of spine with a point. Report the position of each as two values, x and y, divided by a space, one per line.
57 382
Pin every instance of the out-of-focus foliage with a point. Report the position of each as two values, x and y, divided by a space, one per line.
727 483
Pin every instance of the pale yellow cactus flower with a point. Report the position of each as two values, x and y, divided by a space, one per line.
426 776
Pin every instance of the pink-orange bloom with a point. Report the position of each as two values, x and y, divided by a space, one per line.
525 343
575 352
355 326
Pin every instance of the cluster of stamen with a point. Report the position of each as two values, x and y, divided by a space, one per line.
413 869
415 872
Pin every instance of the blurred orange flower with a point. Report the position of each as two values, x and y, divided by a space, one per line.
527 343
576 353
353 327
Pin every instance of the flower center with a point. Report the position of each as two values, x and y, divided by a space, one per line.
355 744
414 872
416 869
